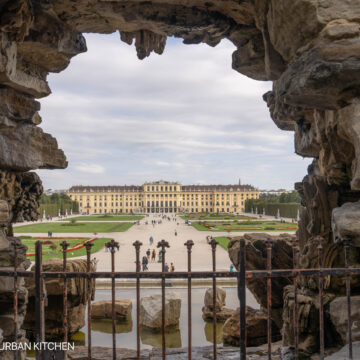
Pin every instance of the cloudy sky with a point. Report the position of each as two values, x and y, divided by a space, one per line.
184 116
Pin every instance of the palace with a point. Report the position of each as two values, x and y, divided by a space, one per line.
162 197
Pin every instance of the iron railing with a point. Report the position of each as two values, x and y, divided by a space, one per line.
242 275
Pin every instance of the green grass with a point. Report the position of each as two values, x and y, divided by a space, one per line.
105 218
95 227
207 216
223 241
248 226
49 253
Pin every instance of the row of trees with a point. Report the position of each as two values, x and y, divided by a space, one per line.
288 204
55 202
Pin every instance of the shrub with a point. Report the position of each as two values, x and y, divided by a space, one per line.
53 246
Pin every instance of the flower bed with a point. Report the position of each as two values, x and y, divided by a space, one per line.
74 248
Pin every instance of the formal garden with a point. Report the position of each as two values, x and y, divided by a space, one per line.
51 247
236 225
74 227
215 216
105 217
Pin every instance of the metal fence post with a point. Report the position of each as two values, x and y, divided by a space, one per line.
295 311
112 245
88 246
347 242
189 244
213 244
137 245
39 300
64 246
16 300
268 267
163 244
320 240
242 298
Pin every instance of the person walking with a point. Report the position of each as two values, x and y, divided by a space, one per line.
151 240
166 267
172 267
95 263
175 233
145 263
153 255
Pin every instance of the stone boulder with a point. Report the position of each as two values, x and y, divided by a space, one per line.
221 315
220 298
308 320
256 325
77 299
346 222
103 309
256 258
4 212
339 318
150 310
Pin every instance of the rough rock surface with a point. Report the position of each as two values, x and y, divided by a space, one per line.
346 222
339 318
343 353
256 259
103 309
308 319
310 49
220 298
256 327
77 299
150 310
221 315
198 353
7 256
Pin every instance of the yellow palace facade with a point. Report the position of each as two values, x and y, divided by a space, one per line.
162 197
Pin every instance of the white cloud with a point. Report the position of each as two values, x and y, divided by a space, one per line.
90 168
185 115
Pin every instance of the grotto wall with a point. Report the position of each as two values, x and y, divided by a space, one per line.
310 49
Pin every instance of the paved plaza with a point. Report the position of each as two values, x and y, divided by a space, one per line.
177 253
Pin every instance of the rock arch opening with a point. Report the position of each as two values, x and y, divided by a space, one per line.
309 49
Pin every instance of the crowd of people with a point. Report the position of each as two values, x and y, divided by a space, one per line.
150 254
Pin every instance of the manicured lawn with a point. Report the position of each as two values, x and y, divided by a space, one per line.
49 251
105 218
223 241
205 216
78 227
248 226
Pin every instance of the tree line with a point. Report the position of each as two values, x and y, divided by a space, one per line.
51 204
288 204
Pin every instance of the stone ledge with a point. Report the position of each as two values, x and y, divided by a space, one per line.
198 353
